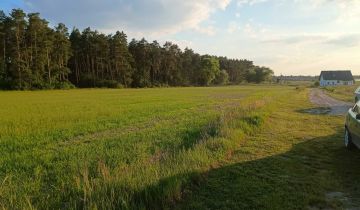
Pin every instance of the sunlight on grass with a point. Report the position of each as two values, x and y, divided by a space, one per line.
76 145
166 148
344 93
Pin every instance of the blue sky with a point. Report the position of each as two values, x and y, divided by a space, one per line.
290 36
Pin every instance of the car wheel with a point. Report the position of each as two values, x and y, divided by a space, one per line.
347 140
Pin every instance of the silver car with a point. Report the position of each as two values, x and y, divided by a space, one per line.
352 127
357 94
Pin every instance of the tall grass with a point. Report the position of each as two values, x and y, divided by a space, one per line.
344 93
119 150
137 186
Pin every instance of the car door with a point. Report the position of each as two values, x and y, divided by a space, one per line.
354 125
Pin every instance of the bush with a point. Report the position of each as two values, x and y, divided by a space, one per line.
256 120
88 82
222 78
109 84
316 84
64 85
330 89
300 88
5 85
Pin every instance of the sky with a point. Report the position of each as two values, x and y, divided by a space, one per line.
292 37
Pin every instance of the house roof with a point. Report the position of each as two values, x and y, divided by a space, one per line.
337 75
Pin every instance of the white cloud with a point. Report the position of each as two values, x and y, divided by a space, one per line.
241 3
232 27
338 40
208 30
319 34
222 4
349 12
295 39
309 53
254 31
291 36
345 40
138 16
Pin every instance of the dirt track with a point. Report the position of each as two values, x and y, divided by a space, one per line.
337 107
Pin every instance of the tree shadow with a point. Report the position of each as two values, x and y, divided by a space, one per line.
317 174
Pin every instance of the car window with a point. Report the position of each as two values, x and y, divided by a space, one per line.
356 109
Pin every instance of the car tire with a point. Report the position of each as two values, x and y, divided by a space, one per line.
347 140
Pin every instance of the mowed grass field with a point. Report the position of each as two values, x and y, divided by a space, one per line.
240 147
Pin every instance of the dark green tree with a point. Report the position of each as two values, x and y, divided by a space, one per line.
121 59
36 52
34 56
171 64
20 73
190 63
74 62
209 69
3 71
156 57
259 74
61 52
140 51
222 78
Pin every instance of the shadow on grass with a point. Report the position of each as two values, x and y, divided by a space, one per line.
301 178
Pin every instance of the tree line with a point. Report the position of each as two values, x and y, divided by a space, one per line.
35 56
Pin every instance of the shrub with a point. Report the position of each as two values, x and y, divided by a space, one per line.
109 84
316 84
64 85
222 78
330 89
5 84
300 88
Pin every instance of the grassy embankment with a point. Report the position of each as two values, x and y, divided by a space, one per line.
231 147
344 93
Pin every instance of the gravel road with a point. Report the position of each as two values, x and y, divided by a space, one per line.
337 107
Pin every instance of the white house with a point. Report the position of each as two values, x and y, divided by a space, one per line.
334 78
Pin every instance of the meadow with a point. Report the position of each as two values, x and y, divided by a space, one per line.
237 147
344 93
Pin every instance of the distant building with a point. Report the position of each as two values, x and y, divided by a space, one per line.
334 78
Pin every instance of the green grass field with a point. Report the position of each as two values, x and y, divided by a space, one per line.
245 147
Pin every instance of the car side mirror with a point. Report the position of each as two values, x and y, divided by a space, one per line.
358 116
